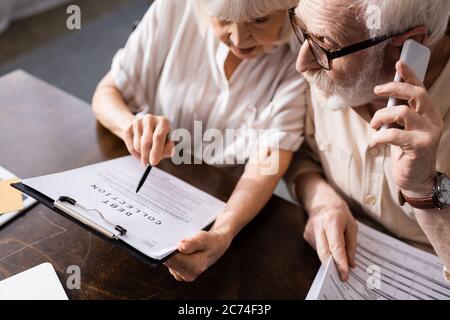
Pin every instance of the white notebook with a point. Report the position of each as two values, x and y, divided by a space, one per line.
166 210
38 283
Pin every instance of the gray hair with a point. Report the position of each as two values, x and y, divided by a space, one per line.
242 11
399 16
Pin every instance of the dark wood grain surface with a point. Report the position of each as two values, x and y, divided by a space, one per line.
44 130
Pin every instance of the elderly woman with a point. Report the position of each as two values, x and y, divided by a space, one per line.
227 64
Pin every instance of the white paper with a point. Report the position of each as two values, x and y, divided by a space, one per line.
38 283
405 273
165 211
27 201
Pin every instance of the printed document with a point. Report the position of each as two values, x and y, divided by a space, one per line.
165 211
387 269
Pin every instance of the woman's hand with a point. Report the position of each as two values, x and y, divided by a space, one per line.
252 192
332 231
413 149
197 254
147 139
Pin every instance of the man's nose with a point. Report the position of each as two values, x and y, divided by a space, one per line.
239 34
306 60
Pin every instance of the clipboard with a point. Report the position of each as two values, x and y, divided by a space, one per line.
103 234
101 199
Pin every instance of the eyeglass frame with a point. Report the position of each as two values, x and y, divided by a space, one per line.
332 54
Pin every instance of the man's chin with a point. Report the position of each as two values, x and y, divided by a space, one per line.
339 98
331 101
339 102
326 88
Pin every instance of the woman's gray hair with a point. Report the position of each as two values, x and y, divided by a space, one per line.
397 16
242 11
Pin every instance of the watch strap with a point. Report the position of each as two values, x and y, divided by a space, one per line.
426 203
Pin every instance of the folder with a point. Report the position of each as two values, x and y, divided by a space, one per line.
177 220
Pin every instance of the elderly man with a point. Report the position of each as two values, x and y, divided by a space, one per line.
396 176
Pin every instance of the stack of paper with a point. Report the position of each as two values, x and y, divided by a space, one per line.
387 269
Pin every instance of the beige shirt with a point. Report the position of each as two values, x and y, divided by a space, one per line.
171 67
337 145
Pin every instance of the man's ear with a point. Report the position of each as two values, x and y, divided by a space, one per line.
419 34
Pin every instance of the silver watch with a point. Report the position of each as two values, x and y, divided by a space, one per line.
442 191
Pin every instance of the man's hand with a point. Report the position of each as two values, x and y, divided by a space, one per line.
414 149
332 231
197 254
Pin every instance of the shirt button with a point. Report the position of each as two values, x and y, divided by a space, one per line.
374 151
370 200
323 146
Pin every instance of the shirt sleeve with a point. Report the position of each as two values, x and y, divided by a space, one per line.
446 275
136 67
307 159
285 128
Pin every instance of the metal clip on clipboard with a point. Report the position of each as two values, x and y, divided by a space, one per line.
64 199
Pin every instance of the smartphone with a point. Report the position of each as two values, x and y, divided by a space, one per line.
417 57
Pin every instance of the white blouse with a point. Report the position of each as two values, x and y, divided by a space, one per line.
170 68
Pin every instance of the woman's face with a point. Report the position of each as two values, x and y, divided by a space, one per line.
248 40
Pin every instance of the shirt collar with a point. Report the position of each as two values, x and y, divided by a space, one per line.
439 91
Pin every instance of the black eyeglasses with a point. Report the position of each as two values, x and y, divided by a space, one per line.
323 56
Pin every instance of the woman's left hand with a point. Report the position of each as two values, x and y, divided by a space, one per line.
414 148
197 254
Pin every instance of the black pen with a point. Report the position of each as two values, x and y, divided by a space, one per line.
149 169
144 177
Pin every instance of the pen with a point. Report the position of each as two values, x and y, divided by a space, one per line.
144 177
148 170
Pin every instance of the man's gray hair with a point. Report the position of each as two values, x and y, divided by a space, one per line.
399 16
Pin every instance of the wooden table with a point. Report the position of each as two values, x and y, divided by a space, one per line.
44 130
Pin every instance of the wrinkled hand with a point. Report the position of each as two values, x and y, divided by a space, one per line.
197 254
332 231
146 139
413 149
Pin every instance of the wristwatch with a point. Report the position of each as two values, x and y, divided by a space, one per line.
439 199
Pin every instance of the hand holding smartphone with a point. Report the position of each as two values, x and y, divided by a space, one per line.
417 57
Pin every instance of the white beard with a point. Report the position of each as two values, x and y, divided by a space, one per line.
360 93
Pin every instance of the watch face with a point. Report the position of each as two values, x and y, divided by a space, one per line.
445 191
